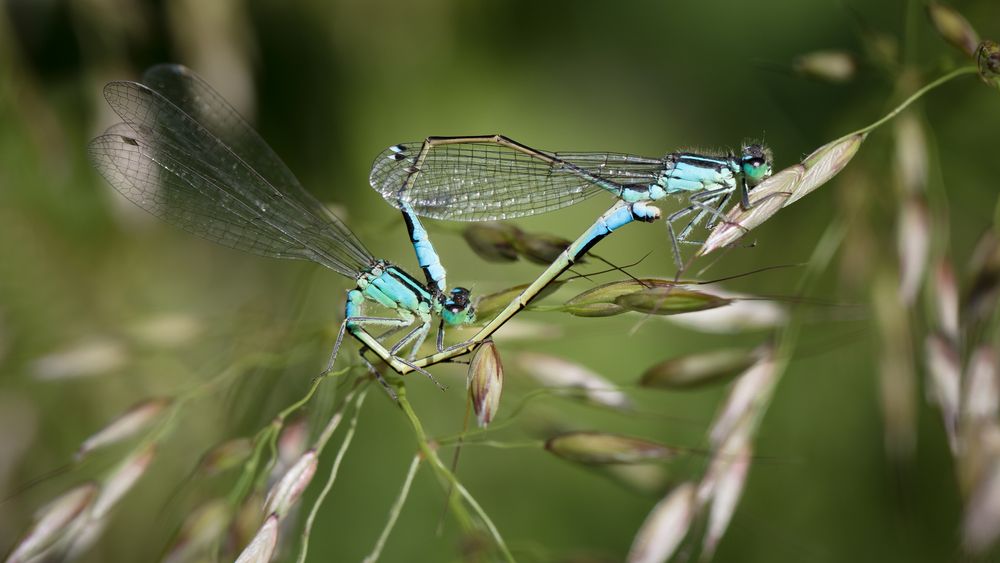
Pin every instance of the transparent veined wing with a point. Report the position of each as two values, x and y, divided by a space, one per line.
490 178
186 170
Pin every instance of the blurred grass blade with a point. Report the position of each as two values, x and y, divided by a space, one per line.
600 448
897 374
953 27
665 527
574 380
945 372
128 424
670 301
698 370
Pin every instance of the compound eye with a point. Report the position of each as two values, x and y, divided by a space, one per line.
458 300
756 163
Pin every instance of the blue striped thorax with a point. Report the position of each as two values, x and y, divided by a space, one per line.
393 288
691 172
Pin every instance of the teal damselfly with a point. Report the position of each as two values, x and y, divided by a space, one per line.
185 155
492 177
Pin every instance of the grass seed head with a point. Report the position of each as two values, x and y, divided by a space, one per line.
168 331
748 395
261 548
601 448
493 241
128 424
200 531
731 466
911 154
119 483
913 241
665 527
946 299
225 456
600 301
828 66
485 382
767 198
540 248
574 380
982 386
825 163
52 522
93 357
698 370
286 492
953 27
981 524
670 301
988 61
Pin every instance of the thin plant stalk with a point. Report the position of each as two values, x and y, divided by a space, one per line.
397 507
458 509
912 98
335 468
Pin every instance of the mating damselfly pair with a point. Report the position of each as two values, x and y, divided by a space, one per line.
185 155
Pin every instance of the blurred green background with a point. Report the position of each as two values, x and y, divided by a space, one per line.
329 84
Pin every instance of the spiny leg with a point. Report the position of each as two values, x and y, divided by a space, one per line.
419 332
709 202
381 321
671 219
381 380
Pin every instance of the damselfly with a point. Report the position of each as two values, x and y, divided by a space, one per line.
185 155
486 178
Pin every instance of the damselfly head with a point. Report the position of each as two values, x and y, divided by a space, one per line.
457 308
755 163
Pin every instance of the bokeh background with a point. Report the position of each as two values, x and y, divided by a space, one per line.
148 310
